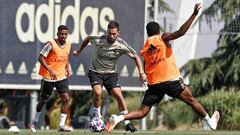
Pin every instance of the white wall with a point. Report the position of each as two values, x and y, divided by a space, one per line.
197 43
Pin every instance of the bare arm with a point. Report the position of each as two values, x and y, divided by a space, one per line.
84 44
67 70
44 64
140 68
183 29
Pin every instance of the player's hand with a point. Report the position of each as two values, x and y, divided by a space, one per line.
68 73
197 8
145 84
143 77
76 52
53 76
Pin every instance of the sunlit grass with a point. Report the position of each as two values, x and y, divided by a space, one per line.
118 132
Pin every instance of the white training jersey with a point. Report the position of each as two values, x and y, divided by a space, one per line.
106 55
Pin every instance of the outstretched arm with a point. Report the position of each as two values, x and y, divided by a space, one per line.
183 29
84 44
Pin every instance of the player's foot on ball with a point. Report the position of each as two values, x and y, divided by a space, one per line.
130 127
113 121
214 120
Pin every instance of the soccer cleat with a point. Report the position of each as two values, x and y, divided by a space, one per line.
113 121
65 129
206 127
14 129
130 127
214 120
33 127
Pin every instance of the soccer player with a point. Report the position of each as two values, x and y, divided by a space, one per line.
102 72
54 69
163 75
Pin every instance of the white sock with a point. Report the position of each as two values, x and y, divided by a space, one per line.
206 118
97 112
122 113
36 117
121 117
63 117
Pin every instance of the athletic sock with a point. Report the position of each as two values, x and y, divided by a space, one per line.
97 112
63 117
121 117
206 118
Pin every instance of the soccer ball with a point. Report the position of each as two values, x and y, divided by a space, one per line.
96 125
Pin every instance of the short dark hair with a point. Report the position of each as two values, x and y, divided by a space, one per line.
153 28
113 25
62 27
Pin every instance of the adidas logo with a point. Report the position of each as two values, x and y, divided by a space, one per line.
152 50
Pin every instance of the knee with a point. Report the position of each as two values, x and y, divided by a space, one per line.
98 95
65 99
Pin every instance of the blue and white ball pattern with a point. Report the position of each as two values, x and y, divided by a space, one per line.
96 125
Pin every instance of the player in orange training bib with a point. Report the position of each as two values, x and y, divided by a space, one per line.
163 76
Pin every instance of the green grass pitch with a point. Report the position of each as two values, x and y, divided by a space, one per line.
118 132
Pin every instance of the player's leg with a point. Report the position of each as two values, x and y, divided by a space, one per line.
187 97
63 90
115 119
152 96
47 121
139 114
97 100
97 84
117 94
45 93
178 89
113 88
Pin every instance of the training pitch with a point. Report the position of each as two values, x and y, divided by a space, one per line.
118 132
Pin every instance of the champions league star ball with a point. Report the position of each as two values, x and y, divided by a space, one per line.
96 125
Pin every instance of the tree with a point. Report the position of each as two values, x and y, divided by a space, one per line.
157 6
164 7
222 70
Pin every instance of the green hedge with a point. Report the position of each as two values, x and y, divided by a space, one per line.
177 113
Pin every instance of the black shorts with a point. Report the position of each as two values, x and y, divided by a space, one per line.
47 88
156 92
109 81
